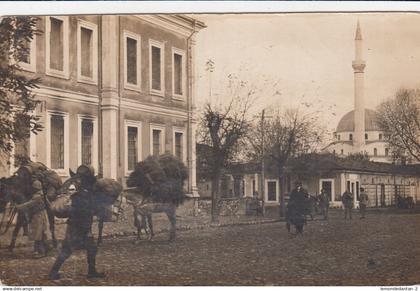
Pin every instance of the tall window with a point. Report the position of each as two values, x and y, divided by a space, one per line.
132 150
350 136
86 51
57 54
178 145
156 80
156 141
178 72
132 61
156 67
271 191
380 136
366 136
28 62
87 142
386 152
57 142
56 44
375 152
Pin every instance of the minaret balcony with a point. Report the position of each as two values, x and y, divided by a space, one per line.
358 66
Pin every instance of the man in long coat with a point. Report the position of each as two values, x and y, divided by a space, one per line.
35 208
79 232
347 199
363 201
296 207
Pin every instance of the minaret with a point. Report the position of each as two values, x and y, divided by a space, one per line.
359 109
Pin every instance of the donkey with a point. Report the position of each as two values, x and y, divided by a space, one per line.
144 207
14 191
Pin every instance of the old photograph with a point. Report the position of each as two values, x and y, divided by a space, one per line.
218 149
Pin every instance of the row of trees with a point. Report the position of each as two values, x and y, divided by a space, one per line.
232 134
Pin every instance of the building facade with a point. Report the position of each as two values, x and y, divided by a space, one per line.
114 90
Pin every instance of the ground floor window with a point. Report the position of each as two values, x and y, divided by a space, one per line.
271 191
328 186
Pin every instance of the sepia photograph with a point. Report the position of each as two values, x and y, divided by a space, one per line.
273 148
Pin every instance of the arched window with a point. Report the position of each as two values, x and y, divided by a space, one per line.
350 136
366 136
380 136
375 152
386 152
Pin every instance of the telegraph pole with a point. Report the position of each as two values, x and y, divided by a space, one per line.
262 163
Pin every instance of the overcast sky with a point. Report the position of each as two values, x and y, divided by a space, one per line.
308 57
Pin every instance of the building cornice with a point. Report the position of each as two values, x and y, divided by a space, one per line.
153 109
66 95
179 24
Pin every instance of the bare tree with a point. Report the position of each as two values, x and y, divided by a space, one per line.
16 97
289 133
399 118
223 128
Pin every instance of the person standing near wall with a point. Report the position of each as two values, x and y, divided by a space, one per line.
363 201
347 199
324 203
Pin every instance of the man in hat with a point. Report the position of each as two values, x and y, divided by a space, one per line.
296 207
35 209
78 233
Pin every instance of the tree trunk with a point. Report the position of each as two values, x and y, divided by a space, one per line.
215 187
282 192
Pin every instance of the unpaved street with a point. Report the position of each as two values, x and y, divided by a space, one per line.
383 249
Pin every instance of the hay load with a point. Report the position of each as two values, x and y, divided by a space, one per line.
160 178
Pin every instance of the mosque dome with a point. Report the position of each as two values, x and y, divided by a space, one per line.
346 123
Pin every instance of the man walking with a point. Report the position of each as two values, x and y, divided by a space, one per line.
363 201
296 208
347 199
78 233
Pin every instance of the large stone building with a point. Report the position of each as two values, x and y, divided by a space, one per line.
114 90
357 131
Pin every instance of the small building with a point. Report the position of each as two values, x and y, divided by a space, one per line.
382 181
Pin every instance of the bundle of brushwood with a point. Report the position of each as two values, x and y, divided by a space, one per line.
160 179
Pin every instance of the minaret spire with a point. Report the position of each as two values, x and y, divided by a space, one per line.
358 31
359 109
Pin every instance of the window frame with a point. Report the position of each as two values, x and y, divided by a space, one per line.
138 125
65 74
332 188
161 45
137 37
182 130
266 191
65 115
31 66
183 74
160 127
95 139
94 49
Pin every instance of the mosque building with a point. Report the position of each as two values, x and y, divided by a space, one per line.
358 131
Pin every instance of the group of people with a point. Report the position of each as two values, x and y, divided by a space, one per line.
79 225
297 207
